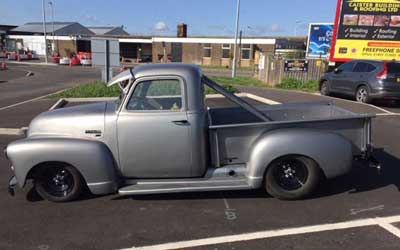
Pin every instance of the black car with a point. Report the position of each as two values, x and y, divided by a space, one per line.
364 80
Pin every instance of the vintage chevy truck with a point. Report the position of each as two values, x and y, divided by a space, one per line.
160 137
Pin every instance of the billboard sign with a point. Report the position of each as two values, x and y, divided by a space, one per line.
319 40
367 29
296 66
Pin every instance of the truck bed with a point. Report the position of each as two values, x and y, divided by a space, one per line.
234 130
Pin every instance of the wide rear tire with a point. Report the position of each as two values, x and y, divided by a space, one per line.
292 177
59 183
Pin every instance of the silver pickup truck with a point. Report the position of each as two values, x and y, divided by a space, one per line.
160 137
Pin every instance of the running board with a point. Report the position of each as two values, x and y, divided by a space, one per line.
187 185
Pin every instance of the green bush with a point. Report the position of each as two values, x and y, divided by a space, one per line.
292 83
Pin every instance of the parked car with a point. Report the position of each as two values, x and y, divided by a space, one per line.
159 137
364 80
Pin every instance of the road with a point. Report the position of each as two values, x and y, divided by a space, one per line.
46 80
113 222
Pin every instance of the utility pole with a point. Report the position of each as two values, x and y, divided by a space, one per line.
296 26
44 31
52 17
236 40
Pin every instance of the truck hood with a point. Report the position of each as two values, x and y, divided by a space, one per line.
77 121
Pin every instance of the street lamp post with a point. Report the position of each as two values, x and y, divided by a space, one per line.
52 20
44 31
236 39
295 27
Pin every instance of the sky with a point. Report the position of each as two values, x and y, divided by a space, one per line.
160 17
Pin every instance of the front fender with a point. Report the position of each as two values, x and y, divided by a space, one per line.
332 152
91 158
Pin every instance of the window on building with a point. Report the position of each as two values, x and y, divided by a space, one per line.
246 51
226 50
207 50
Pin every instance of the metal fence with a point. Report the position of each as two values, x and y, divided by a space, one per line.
272 71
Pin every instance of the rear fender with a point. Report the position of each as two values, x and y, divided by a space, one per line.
332 152
91 158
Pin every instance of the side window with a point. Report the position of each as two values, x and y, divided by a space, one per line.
347 67
360 67
370 67
157 95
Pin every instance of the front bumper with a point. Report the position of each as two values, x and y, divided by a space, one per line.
12 184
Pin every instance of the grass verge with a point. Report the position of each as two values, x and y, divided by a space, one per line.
296 84
98 89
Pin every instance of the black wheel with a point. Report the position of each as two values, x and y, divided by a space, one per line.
324 89
58 183
292 177
362 95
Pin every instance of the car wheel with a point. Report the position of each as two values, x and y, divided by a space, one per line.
292 177
59 183
324 89
362 95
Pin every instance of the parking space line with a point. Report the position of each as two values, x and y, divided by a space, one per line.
384 222
30 100
354 102
389 227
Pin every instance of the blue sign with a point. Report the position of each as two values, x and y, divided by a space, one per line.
319 40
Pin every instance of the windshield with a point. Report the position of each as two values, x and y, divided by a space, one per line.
124 88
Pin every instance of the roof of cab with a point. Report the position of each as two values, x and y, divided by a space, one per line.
177 69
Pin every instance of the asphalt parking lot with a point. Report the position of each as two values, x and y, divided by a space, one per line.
218 220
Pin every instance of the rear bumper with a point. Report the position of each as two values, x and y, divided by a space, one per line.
385 93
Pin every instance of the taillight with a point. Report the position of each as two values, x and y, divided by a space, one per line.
383 75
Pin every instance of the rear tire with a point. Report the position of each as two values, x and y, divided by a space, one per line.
292 177
324 88
362 95
59 183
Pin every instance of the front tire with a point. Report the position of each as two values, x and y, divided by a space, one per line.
292 177
59 183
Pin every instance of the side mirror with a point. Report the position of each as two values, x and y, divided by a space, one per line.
337 70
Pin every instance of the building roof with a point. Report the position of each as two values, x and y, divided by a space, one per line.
109 30
60 28
4 28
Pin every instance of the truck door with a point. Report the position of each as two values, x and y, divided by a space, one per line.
153 130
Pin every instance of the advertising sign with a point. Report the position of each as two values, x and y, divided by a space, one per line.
319 40
367 29
296 66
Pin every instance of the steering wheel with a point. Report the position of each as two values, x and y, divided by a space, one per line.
142 103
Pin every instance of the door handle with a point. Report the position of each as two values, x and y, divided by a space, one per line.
181 122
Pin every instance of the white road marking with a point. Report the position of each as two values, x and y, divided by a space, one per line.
384 222
261 99
60 103
11 131
365 104
359 211
389 227
30 100
230 213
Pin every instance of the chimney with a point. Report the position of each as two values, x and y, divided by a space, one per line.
182 30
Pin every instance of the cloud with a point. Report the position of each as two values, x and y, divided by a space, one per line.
275 28
161 27
263 30
90 18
